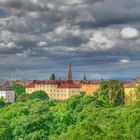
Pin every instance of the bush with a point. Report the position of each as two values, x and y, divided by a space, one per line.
2 103
39 95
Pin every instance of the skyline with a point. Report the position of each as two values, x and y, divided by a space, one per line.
99 37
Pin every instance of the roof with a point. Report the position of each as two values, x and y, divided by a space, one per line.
24 83
6 86
130 84
90 82
68 84
31 85
60 83
51 81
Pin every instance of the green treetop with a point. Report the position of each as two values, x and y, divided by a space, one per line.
52 77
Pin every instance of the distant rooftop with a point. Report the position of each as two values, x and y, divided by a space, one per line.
5 85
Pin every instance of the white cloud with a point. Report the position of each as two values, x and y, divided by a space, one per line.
41 43
25 53
34 15
101 39
7 36
85 17
60 30
124 61
60 49
9 45
129 33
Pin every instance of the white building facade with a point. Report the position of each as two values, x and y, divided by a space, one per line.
6 92
8 96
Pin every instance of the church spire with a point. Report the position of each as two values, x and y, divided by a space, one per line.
85 79
69 73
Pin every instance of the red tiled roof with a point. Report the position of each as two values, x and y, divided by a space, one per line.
90 82
45 82
24 83
67 84
51 81
77 82
60 83
31 85
130 84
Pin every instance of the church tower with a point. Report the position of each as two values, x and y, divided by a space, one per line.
69 73
84 78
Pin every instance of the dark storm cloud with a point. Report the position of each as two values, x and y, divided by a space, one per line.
22 5
98 36
114 12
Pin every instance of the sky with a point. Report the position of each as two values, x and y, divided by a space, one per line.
100 38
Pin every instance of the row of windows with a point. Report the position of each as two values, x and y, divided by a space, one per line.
57 95
52 90
49 86
56 90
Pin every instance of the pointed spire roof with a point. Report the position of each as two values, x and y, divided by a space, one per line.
69 73
85 79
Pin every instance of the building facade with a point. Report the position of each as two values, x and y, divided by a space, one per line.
89 86
130 93
130 89
6 92
56 90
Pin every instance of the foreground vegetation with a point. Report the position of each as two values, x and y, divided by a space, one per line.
82 117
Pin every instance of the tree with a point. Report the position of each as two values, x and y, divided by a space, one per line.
23 97
5 130
73 101
39 95
113 90
82 93
2 103
138 90
52 77
19 89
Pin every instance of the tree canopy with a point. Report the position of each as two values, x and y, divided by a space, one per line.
81 117
19 89
2 102
112 90
52 77
39 95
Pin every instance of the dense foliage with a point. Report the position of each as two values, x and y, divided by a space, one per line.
19 89
52 77
39 95
34 95
2 102
79 118
112 90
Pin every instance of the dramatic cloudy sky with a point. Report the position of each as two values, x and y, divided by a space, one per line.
99 37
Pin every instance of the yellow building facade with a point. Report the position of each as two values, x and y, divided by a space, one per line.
89 87
130 95
130 92
56 90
